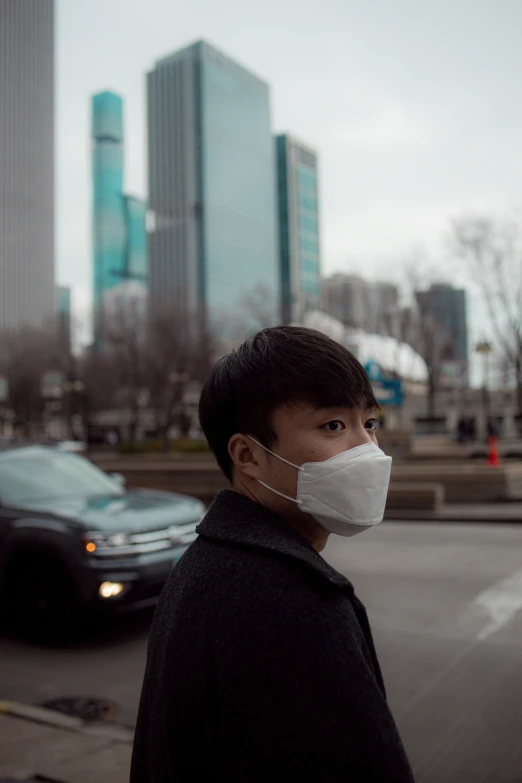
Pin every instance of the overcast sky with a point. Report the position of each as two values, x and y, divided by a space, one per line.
413 107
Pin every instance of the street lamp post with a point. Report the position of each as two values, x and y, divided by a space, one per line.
484 349
71 388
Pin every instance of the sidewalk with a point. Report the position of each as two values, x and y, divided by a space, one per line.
38 742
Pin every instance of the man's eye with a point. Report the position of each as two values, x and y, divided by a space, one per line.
334 426
372 424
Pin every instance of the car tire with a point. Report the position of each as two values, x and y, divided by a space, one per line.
41 600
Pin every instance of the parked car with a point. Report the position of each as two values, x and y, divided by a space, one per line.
73 537
72 446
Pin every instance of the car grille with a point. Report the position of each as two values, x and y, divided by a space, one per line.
175 534
153 541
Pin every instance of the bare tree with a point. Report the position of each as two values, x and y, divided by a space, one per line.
96 383
492 250
146 363
180 351
429 339
61 359
25 355
139 362
258 309
413 325
123 356
433 343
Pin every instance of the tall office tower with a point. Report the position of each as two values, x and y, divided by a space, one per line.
345 297
27 288
119 232
362 304
213 247
299 250
446 307
383 310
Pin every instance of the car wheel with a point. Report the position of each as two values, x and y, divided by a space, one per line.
42 603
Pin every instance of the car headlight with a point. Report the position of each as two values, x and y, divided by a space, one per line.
95 541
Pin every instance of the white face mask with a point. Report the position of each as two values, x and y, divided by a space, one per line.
347 493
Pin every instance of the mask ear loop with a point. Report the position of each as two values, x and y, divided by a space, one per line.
275 491
274 454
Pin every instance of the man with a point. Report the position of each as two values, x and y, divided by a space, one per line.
261 664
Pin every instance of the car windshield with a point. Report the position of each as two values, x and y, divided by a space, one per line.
32 476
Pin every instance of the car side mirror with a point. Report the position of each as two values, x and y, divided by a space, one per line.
119 478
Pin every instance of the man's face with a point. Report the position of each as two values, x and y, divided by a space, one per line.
305 434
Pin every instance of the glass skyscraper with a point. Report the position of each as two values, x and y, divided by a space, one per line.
27 285
119 232
135 238
211 189
299 248
446 307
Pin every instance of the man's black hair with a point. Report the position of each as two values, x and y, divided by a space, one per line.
278 366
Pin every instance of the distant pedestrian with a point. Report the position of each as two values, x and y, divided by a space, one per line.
112 438
492 430
261 663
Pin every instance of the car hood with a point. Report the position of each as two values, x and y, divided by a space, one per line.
133 511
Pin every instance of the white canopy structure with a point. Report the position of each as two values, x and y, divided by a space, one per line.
392 355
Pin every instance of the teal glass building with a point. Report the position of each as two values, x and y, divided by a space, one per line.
135 256
213 248
299 238
119 227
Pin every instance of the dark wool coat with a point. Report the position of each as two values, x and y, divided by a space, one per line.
261 665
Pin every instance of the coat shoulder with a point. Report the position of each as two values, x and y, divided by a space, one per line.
240 588
223 570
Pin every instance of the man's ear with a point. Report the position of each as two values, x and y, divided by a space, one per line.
245 454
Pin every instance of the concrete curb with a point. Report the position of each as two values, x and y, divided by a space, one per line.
66 722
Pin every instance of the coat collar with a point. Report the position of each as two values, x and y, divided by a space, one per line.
238 520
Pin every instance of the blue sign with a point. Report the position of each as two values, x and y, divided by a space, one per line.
388 391
373 370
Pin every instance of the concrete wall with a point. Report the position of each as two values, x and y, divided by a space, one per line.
466 482
204 480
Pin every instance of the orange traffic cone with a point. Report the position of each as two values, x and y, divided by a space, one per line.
493 458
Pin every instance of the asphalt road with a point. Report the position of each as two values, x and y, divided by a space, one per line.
445 603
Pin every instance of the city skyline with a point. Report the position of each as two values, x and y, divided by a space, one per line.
406 140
